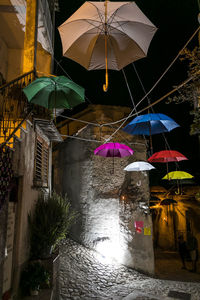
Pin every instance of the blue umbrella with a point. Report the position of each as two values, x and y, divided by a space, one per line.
150 124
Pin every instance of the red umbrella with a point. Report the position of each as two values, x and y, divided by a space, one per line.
166 156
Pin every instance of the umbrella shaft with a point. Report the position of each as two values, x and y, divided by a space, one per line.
105 86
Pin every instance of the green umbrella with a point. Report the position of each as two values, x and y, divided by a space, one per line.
54 92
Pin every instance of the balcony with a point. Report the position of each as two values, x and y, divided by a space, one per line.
15 109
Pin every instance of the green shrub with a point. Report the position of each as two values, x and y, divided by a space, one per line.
33 277
49 223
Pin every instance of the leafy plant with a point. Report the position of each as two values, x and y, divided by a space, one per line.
33 277
49 223
190 92
197 195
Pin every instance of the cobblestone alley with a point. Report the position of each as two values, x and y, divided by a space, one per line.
84 274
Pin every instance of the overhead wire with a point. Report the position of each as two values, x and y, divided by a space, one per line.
163 135
140 111
132 99
166 70
131 114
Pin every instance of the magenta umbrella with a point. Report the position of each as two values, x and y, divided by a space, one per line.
113 150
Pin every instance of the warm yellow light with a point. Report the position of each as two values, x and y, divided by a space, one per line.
12 125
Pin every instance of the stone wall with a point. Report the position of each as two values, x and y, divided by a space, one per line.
108 199
23 167
3 230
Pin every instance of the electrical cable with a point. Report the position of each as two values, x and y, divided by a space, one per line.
131 114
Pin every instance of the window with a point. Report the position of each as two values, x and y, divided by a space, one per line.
41 163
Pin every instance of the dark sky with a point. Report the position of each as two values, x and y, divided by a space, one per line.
176 21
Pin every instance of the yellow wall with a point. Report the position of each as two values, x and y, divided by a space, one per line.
3 58
15 69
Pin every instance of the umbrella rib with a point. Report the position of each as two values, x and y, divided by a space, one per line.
80 19
123 32
100 16
110 40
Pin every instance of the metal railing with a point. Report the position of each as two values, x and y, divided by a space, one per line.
14 107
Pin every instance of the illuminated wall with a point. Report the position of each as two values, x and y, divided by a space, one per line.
109 199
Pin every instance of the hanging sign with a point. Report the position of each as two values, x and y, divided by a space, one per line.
139 224
138 229
147 230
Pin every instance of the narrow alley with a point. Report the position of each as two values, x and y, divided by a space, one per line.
84 274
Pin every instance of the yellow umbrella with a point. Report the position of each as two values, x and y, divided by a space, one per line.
177 175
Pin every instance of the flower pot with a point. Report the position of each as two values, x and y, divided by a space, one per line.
46 253
34 292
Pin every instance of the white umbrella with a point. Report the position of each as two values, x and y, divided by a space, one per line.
106 35
139 166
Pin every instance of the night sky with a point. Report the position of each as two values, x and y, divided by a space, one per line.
176 21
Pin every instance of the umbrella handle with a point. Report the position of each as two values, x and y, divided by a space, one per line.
105 86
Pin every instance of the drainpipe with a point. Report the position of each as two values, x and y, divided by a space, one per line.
30 39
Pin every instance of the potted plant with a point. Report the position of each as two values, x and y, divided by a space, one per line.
49 223
197 196
33 277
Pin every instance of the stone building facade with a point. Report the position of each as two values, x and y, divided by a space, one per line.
110 201
23 193
26 32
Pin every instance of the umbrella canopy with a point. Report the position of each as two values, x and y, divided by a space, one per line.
139 166
150 124
177 175
54 92
128 30
166 156
168 201
106 35
113 150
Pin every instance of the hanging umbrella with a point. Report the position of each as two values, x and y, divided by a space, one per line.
113 150
177 175
166 156
106 35
150 124
54 92
139 166
168 201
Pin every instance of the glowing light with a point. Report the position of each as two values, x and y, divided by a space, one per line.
110 251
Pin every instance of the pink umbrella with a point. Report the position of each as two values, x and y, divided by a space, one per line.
113 150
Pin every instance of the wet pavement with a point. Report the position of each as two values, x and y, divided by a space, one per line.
85 274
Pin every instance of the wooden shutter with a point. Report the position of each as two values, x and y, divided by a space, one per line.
41 163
